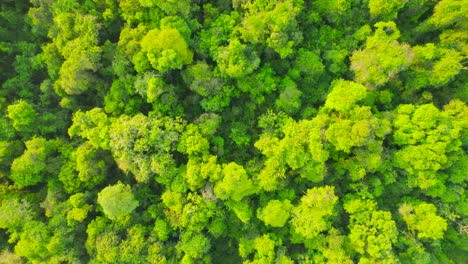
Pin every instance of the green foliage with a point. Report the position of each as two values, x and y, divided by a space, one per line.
9 150
193 246
235 183
33 240
73 55
301 149
192 142
344 95
289 100
24 116
236 59
382 58
423 219
387 10
233 131
32 166
276 213
273 24
80 209
201 79
142 145
91 169
430 140
447 12
372 232
117 200
197 173
260 84
121 99
166 49
92 125
311 216
221 30
307 64
15 213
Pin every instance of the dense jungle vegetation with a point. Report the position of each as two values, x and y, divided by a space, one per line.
243 131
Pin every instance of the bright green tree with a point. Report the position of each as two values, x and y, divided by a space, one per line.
372 232
423 219
92 125
166 49
382 58
276 213
385 9
344 95
117 200
236 59
429 140
24 116
235 183
33 241
32 166
273 24
312 215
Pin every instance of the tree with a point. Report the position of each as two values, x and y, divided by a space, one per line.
218 33
236 59
121 99
445 69
382 58
272 24
433 67
166 49
289 99
183 7
233 131
192 142
76 72
312 215
260 84
198 172
306 64
332 9
235 183
80 209
15 213
90 164
107 246
265 249
143 146
302 149
372 232
92 125
117 200
201 79
31 167
336 251
448 12
344 95
430 141
423 219
33 241
24 116
387 10
134 248
9 150
74 53
9 257
276 213
194 246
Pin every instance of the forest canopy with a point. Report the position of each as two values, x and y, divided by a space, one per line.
233 131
